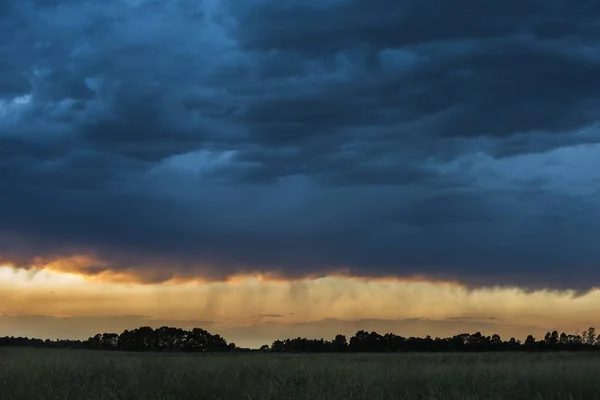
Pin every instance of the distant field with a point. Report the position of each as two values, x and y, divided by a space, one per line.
81 375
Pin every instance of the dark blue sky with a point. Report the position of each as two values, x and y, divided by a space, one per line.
452 139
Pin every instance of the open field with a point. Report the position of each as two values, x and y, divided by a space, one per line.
80 375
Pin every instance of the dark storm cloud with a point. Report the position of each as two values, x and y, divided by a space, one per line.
451 140
317 27
525 65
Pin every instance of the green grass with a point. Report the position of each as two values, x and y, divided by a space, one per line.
81 375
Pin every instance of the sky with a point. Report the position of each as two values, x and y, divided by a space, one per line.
270 168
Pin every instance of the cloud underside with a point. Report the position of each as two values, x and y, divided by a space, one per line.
380 138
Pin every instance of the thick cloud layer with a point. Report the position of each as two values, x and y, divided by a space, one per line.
455 140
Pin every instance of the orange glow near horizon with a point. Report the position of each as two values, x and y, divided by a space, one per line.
99 270
250 310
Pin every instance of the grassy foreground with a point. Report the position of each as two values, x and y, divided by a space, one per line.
82 375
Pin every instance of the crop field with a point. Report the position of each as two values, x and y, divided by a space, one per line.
30 374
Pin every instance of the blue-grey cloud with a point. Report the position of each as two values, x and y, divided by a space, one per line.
456 141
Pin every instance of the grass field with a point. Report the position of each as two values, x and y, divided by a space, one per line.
80 375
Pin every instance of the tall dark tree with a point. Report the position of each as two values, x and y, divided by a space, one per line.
339 344
530 343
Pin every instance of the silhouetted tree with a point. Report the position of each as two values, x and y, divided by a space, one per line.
564 339
264 347
339 344
591 336
530 343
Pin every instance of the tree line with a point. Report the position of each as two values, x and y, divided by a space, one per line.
169 339
373 342
145 338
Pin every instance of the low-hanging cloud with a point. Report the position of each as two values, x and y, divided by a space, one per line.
182 138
